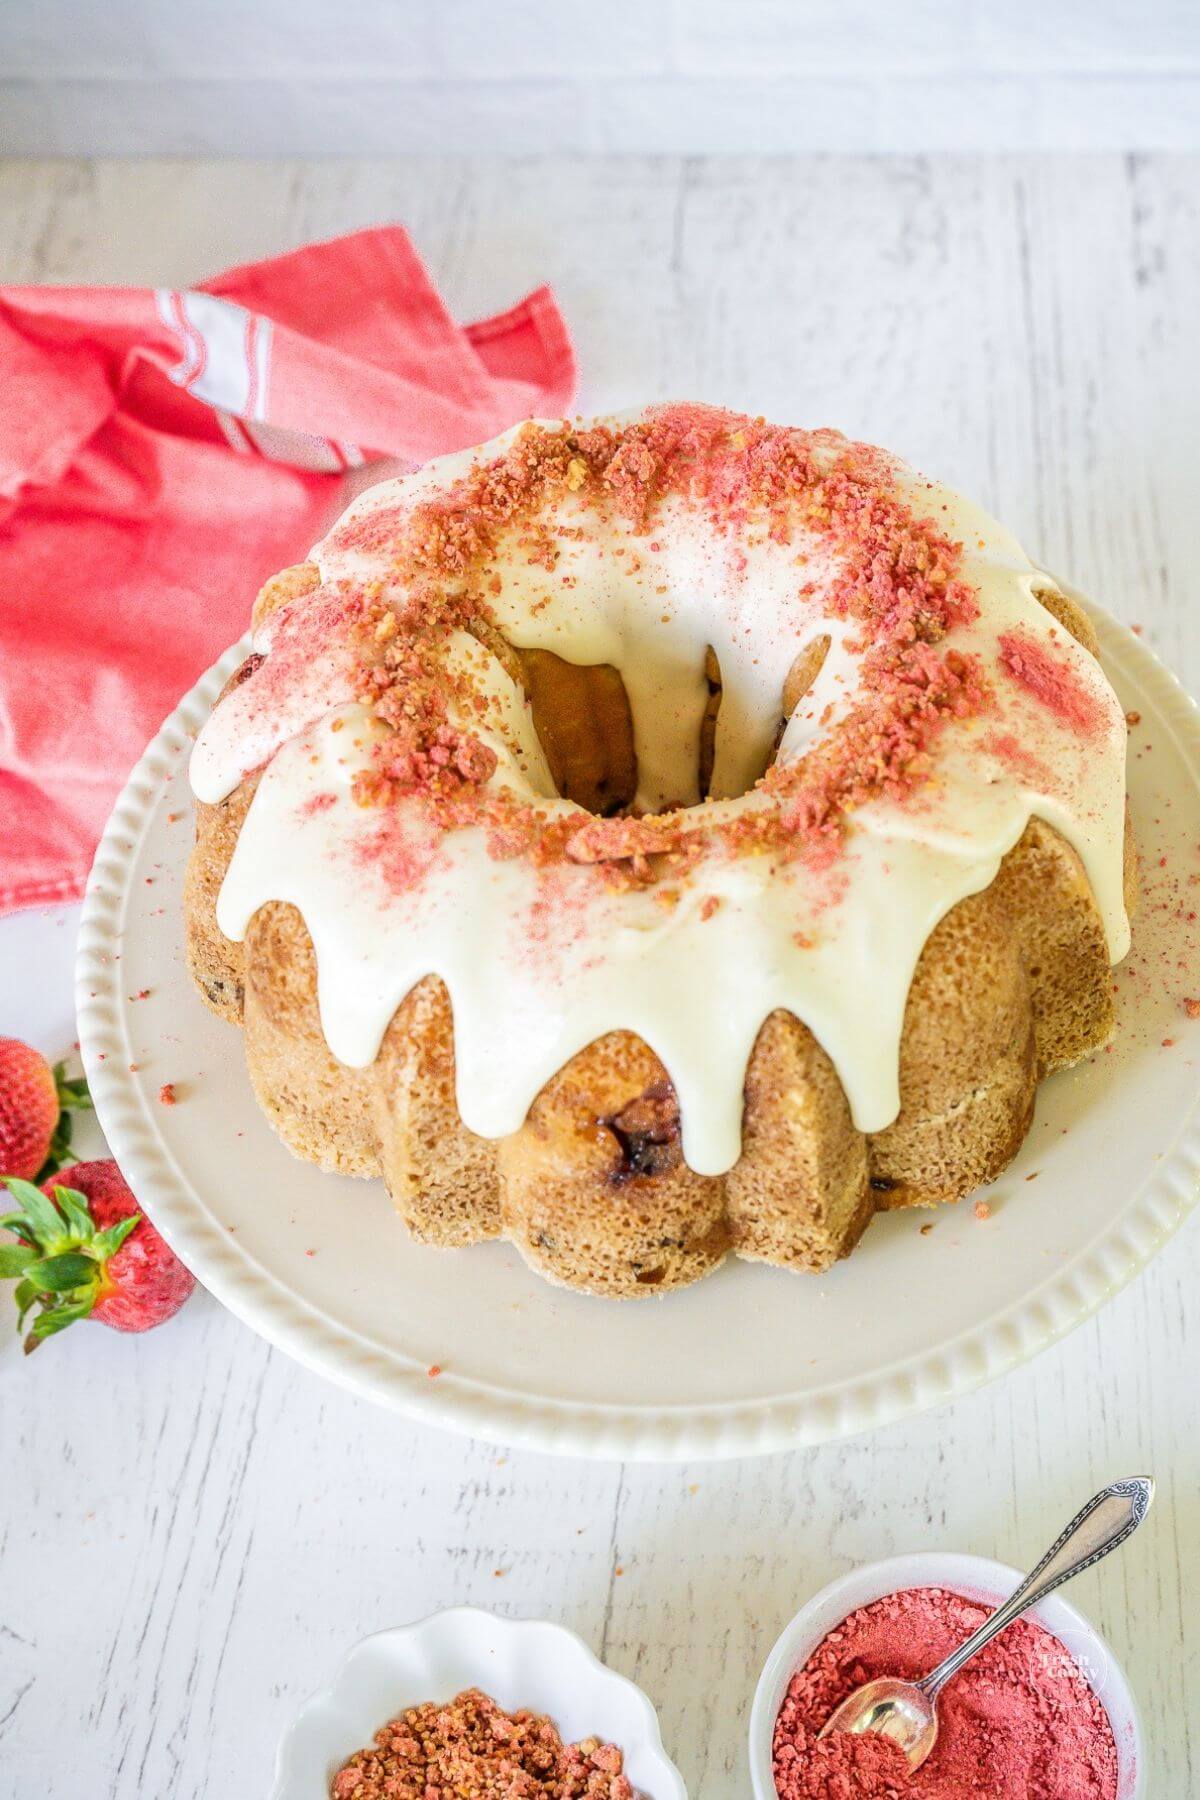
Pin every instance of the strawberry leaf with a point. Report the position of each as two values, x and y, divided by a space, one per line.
55 1319
62 1274
18 1223
105 1244
15 1259
21 1190
74 1208
72 1094
24 1294
43 1216
60 1148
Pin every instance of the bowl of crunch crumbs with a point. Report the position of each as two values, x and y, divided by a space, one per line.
468 1702
1043 1708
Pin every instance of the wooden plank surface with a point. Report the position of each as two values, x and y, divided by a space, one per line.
192 1529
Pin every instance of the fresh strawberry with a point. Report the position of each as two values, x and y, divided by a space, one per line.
84 1251
35 1111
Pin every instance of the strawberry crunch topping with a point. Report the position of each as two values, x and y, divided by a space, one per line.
472 1748
895 576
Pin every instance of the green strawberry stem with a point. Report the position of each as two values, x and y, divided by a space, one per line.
60 1260
73 1096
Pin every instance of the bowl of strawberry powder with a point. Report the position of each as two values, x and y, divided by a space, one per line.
1042 1713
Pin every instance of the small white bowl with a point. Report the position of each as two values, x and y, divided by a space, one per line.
520 1663
978 1579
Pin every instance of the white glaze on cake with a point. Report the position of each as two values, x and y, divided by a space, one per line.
540 963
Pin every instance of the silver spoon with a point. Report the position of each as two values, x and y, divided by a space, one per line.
906 1711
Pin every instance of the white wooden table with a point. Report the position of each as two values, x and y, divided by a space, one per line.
193 1529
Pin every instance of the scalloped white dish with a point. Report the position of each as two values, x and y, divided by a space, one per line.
520 1663
751 1359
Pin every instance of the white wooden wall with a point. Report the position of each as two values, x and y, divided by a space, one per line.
526 76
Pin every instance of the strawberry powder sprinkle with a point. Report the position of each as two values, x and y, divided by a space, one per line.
1052 682
1019 1723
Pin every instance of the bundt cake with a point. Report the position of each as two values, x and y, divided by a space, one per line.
660 836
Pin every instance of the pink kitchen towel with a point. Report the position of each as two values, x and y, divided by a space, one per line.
163 452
